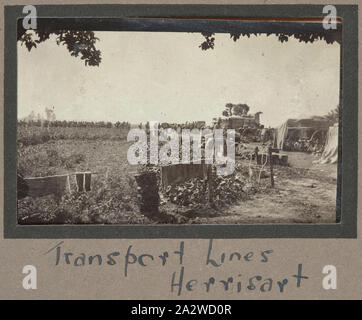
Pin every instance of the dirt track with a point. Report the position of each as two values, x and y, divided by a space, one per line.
304 193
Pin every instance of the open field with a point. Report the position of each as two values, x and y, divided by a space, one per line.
33 135
304 192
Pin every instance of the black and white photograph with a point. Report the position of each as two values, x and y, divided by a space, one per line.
155 127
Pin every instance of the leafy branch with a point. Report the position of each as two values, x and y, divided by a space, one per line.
209 42
78 43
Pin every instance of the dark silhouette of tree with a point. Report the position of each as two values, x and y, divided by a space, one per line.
333 115
235 109
240 109
306 37
227 112
82 43
78 43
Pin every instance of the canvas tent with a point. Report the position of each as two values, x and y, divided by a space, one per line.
294 129
330 152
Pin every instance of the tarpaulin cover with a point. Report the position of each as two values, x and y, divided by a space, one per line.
330 153
281 132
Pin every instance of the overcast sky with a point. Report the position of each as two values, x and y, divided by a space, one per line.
166 77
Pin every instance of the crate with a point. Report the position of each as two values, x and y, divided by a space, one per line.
277 158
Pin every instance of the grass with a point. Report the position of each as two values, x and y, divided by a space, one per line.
113 198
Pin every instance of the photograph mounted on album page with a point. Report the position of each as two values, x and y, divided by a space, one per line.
181 151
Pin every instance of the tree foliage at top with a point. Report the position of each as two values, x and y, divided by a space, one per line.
79 43
209 42
83 43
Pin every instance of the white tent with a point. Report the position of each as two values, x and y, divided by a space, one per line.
330 153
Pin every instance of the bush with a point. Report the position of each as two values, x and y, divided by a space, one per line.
112 200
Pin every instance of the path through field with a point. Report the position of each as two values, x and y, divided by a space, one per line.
309 197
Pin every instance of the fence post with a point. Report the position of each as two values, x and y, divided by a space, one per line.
270 154
210 185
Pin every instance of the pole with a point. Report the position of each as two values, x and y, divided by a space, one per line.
271 166
210 186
